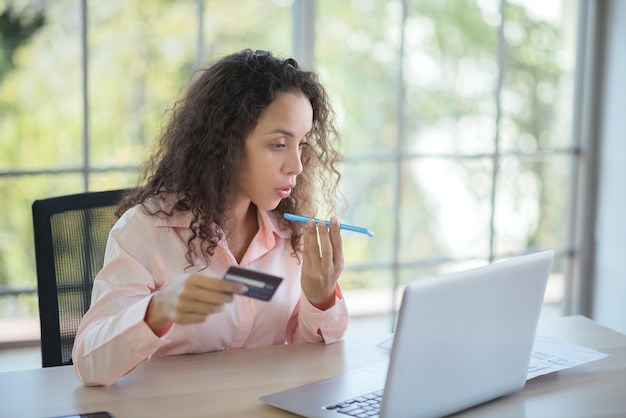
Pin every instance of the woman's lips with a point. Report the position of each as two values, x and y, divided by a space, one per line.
284 192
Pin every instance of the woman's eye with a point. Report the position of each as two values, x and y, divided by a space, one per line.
278 146
303 144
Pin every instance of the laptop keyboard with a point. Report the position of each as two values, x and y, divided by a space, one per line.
365 406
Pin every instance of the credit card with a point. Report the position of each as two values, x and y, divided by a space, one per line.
260 285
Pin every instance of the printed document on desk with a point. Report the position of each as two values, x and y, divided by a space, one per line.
549 355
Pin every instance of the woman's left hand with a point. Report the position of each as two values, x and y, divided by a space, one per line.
322 263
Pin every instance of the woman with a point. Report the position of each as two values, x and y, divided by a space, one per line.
250 141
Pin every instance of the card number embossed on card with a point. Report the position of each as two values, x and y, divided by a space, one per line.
260 285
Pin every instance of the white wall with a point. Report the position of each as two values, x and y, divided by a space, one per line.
609 299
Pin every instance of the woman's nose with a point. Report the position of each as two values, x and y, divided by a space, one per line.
293 165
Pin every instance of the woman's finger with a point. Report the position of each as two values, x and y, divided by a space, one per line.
326 250
311 247
337 244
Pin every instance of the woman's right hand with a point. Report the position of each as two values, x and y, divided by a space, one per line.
189 301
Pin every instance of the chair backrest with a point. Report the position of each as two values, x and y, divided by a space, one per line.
70 239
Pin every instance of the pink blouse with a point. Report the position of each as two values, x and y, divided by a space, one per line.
145 253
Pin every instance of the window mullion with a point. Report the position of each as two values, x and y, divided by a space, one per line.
85 80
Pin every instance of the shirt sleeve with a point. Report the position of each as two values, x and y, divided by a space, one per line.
310 324
109 350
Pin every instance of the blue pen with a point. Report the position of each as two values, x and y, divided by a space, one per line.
305 219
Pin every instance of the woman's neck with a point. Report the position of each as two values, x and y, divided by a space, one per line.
241 228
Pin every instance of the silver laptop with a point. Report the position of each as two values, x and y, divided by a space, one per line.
461 339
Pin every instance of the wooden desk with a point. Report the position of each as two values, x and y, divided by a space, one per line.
230 383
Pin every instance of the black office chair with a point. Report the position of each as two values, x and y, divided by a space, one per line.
70 239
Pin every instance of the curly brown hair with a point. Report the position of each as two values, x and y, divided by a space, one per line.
198 157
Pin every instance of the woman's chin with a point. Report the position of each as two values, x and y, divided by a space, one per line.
269 206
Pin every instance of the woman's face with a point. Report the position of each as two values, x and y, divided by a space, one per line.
272 158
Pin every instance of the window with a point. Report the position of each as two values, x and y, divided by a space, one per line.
456 117
457 120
